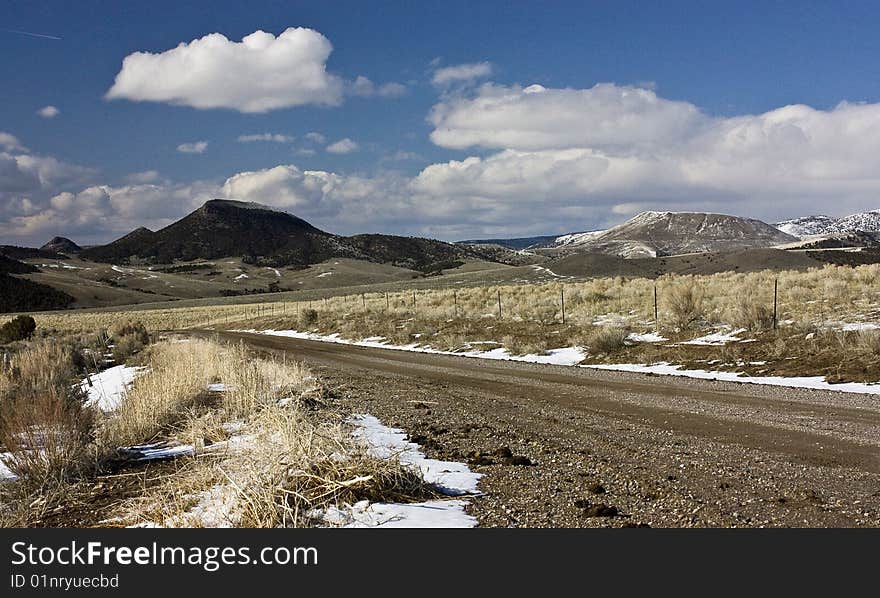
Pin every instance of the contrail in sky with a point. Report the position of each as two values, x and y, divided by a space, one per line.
31 34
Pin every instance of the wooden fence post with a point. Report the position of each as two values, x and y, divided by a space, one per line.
775 303
499 304
656 312
562 296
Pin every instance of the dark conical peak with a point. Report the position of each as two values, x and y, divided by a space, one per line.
214 205
61 245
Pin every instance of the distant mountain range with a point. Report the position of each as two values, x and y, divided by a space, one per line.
256 239
653 234
668 233
265 236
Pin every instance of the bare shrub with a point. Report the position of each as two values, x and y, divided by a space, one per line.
524 345
47 436
543 314
606 339
129 337
308 317
751 313
43 423
868 342
449 340
42 366
17 329
684 304
125 327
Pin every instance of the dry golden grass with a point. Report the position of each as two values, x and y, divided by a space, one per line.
265 457
817 295
280 463
44 426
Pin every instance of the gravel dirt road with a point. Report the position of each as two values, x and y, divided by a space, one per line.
572 447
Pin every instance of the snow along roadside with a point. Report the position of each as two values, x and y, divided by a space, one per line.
574 355
563 356
452 478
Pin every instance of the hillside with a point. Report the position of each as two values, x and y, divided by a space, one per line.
809 226
653 234
11 266
19 294
267 237
515 243
806 226
15 252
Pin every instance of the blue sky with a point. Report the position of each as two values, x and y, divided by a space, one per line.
487 176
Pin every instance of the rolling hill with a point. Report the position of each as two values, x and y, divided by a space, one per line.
809 226
654 234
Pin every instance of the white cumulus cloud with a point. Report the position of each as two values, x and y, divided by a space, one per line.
48 111
260 73
343 146
363 87
10 143
461 72
535 118
609 150
271 137
195 147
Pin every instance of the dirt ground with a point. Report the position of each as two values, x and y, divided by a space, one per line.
571 447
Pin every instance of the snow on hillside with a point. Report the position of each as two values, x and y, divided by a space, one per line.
806 226
652 233
576 238
825 225
868 221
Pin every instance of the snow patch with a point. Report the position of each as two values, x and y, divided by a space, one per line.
716 339
107 388
540 269
648 337
5 472
429 514
859 326
454 479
